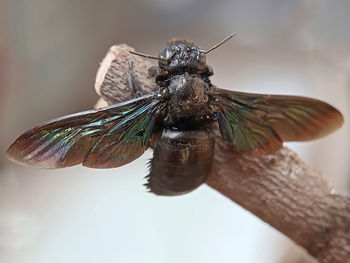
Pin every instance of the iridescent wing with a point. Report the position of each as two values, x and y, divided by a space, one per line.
104 138
260 123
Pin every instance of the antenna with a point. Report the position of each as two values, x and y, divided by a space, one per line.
153 57
218 44
146 56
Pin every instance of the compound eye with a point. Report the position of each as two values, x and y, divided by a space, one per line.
202 59
166 54
163 54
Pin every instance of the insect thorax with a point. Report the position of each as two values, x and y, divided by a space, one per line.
184 75
188 99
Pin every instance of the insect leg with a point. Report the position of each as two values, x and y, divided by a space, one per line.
133 82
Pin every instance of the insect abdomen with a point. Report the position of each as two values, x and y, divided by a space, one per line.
181 162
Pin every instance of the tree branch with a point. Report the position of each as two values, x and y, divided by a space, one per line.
278 188
286 193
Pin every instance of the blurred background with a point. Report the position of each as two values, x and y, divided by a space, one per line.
49 53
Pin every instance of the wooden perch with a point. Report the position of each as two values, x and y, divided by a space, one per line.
289 195
278 188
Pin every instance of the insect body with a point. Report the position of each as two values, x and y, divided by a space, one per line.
179 118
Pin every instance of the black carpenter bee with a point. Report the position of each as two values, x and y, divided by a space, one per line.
181 119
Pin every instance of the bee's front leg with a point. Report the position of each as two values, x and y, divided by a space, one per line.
133 82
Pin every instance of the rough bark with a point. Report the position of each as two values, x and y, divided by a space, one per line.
113 75
289 195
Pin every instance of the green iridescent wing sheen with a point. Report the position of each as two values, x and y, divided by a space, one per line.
103 138
260 123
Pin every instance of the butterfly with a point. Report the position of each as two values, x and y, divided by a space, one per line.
178 112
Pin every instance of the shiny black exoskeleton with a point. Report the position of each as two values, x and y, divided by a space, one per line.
183 153
182 72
